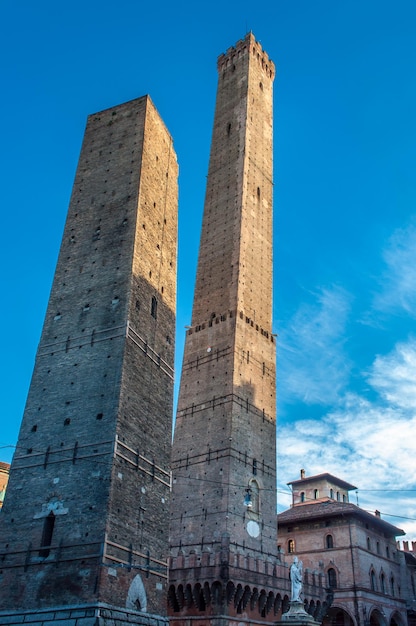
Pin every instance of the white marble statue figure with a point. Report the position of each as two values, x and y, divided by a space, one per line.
296 579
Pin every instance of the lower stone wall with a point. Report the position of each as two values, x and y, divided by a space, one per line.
98 615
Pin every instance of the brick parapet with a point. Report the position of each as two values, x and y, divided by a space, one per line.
239 560
242 46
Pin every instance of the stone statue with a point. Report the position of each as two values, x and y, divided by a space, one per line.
296 579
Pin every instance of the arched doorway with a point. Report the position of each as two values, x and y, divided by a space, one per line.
337 617
397 620
411 618
377 618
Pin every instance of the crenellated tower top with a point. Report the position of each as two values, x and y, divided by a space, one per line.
245 46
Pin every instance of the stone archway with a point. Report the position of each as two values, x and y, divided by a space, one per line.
338 617
397 620
377 618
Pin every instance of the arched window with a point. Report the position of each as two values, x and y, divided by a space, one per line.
331 493
338 496
254 510
332 578
316 494
291 546
329 541
368 543
383 583
302 496
378 547
387 552
393 591
373 580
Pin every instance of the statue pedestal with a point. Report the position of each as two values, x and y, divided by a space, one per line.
297 615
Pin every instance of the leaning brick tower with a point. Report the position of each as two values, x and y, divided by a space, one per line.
84 526
224 563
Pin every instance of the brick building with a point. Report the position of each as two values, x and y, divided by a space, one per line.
352 551
84 525
408 579
225 565
4 479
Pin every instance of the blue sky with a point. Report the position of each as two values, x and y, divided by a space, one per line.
345 212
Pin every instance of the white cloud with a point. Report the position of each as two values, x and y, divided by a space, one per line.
398 281
394 375
312 364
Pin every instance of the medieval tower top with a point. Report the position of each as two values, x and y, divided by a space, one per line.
234 51
235 258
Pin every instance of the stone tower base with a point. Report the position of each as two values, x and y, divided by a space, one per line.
87 615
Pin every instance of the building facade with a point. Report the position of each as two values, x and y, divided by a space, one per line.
352 551
84 524
408 579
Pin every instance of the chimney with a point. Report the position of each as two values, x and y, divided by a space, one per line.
302 473
377 513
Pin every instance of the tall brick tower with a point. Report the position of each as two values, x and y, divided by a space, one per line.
84 534
224 554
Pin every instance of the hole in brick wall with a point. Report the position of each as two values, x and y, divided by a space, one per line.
47 533
153 309
29 451
100 415
34 428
